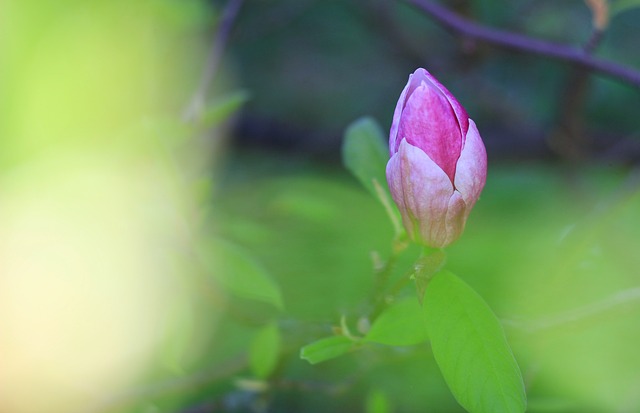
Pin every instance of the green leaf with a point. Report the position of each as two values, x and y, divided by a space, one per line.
326 349
401 324
185 15
621 6
365 155
263 353
240 274
222 108
470 348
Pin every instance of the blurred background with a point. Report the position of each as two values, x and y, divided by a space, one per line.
176 222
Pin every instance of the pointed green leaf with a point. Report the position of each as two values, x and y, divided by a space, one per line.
365 153
222 108
240 274
326 349
401 324
263 353
620 6
470 348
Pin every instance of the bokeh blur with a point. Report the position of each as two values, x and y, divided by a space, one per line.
176 223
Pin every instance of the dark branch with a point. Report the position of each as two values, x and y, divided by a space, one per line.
522 43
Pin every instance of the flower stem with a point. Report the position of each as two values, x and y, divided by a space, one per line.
429 264
431 261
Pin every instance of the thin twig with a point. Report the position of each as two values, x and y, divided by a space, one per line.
568 138
213 60
522 43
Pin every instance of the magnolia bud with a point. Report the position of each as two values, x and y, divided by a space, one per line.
438 163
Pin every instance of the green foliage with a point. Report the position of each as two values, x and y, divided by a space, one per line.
240 274
263 353
365 155
222 108
399 325
522 251
620 6
312 232
326 349
470 348
184 14
377 402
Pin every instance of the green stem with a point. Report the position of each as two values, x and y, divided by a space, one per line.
383 272
431 261
392 212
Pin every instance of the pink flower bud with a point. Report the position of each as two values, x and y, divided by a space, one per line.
438 163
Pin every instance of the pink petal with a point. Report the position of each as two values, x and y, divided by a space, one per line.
394 142
471 170
461 113
428 122
423 194
457 213
418 77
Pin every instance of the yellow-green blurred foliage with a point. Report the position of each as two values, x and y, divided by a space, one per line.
96 216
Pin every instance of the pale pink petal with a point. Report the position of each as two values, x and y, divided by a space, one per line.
422 191
471 170
394 142
418 77
457 212
428 122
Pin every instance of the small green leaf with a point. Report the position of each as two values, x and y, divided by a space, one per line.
620 6
184 15
470 348
365 155
401 324
222 108
263 353
326 349
239 273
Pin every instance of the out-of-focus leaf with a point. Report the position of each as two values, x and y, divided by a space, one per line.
377 402
401 324
263 354
220 109
239 273
326 349
470 348
184 14
620 6
365 153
